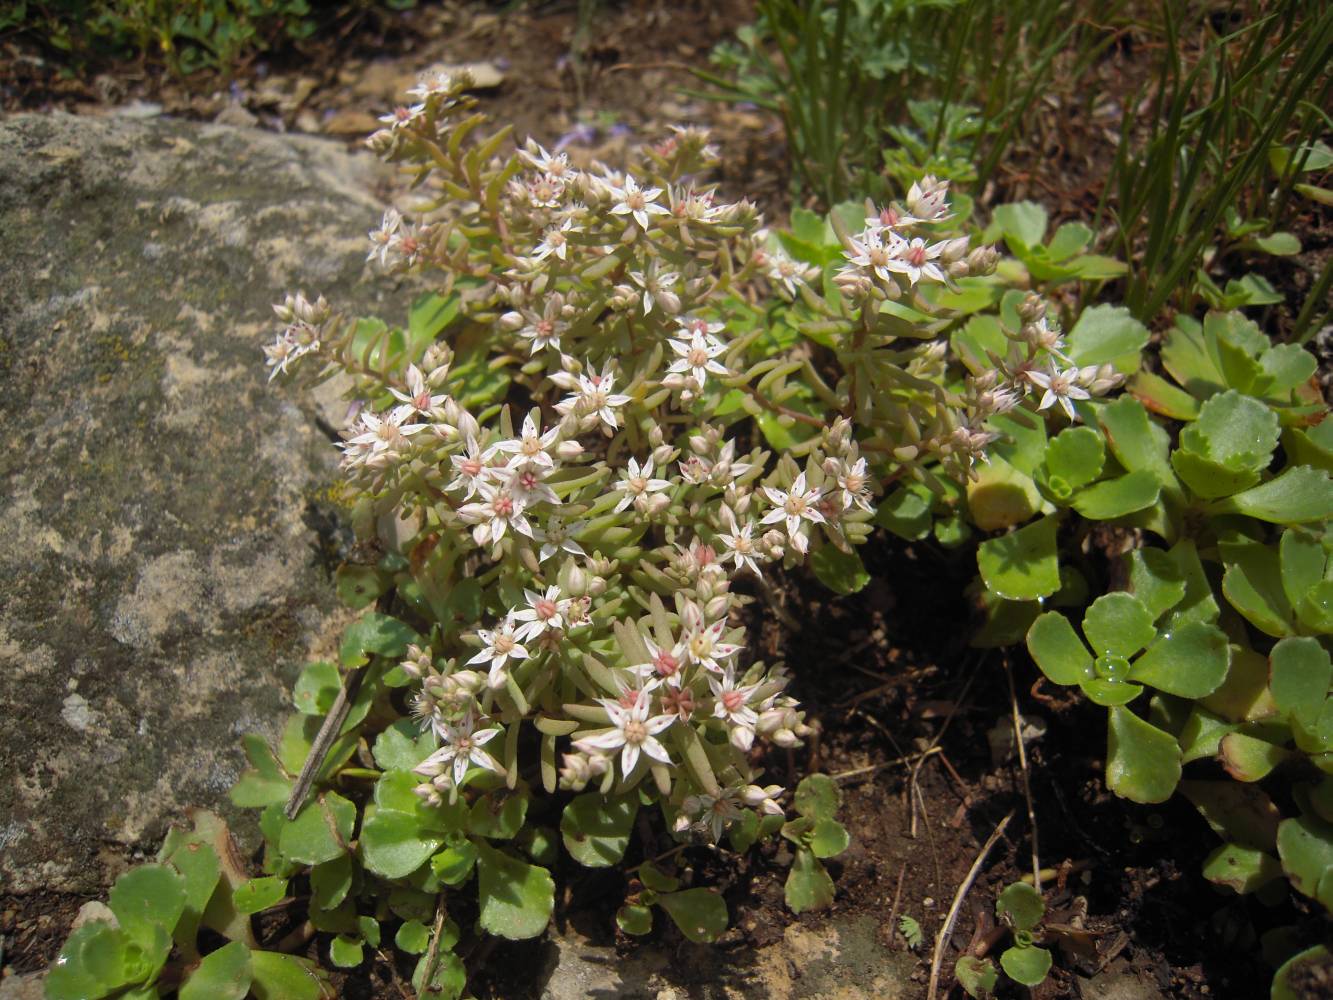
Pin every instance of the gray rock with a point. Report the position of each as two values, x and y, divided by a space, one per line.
840 958
27 987
163 580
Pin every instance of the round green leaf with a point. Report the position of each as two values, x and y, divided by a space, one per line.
1058 650
331 881
1243 869
1118 497
448 980
596 828
701 914
1290 979
92 963
498 814
286 977
346 952
1305 845
1118 624
1106 333
842 572
828 839
1190 661
1300 495
1248 758
516 897
453 865
402 747
395 844
659 881
1076 455
977 976
320 831
413 937
316 688
258 894
818 795
1302 559
1021 905
1209 479
1024 564
1109 693
1156 579
1028 966
1234 430
1142 762
375 633
808 884
147 897
222 975
1300 675
1315 608
634 920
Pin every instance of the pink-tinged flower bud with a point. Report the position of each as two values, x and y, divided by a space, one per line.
381 142
427 794
568 450
853 284
955 249
742 738
786 739
511 322
957 269
1032 308
669 301
982 260
718 607
654 504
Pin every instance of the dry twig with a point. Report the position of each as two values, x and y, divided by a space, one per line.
947 928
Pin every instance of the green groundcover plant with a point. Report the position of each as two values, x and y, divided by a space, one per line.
626 406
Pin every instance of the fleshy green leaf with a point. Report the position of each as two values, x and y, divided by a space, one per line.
413 937
1076 455
842 572
1190 661
402 747
1248 758
145 898
454 864
93 962
331 881
258 894
1156 579
1107 333
1024 564
1305 845
808 884
265 783
1234 430
375 633
977 976
1302 563
828 839
818 796
1022 222
1021 905
701 914
657 880
1301 673
222 975
1118 624
286 977
1243 869
498 814
1291 979
1142 762
316 688
321 830
1239 813
346 952
1058 650
634 920
1117 497
596 829
1028 965
394 844
516 897
1253 585
1300 495
1136 441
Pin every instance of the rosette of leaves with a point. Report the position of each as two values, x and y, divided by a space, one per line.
166 919
1063 257
1019 908
1120 467
1225 352
700 913
1124 650
816 835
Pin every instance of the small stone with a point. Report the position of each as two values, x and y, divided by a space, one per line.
236 115
92 911
350 122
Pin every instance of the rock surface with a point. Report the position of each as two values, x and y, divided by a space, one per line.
163 580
